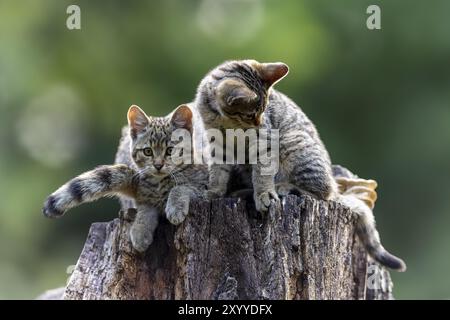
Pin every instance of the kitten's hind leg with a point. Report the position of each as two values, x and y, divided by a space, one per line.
286 188
311 174
143 227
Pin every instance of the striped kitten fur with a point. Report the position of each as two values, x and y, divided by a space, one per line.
144 176
239 94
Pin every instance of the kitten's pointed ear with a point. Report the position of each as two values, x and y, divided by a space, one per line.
271 73
137 119
182 118
235 93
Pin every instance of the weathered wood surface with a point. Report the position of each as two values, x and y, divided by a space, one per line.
303 249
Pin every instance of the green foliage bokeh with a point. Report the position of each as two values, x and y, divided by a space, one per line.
380 100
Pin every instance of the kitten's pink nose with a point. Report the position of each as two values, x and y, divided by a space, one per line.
158 166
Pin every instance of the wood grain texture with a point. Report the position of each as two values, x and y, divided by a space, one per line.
302 249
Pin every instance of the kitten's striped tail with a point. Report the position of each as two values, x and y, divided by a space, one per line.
92 185
369 236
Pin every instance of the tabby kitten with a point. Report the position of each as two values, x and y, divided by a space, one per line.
239 94
144 176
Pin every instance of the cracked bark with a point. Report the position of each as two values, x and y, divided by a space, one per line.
303 249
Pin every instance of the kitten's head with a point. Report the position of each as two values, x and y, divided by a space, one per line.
152 146
238 92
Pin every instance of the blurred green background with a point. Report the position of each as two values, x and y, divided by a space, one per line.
380 100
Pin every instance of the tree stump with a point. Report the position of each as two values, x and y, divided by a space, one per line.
302 249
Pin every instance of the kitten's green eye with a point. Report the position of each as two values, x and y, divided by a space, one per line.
148 152
169 151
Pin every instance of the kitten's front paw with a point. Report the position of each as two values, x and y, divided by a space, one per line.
50 209
264 199
141 237
176 213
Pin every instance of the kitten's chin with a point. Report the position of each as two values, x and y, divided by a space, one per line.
160 175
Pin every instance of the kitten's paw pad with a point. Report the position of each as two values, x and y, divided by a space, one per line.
264 200
140 237
50 210
176 215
